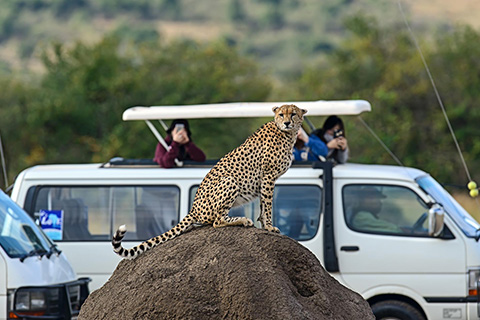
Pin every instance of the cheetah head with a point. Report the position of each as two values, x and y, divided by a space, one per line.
288 117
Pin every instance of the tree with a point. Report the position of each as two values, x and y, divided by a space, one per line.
274 17
236 11
15 96
74 113
384 67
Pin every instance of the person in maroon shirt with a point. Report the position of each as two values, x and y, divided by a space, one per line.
181 146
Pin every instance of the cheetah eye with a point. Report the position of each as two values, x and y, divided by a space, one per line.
294 114
281 115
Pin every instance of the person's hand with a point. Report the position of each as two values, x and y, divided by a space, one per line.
302 135
333 144
180 137
342 143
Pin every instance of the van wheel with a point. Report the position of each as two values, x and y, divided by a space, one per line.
396 310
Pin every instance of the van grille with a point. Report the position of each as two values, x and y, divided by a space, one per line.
63 301
73 295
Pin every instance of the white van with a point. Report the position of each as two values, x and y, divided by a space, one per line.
425 265
36 280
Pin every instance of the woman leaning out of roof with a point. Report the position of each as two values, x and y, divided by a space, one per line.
180 144
333 134
309 148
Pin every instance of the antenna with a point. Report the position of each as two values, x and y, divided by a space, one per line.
390 152
3 163
471 185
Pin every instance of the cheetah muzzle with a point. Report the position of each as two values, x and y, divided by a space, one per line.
247 172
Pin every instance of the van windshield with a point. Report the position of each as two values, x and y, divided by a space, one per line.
461 217
19 236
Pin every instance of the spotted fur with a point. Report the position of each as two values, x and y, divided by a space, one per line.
247 172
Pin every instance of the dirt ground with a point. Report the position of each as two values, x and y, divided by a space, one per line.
226 273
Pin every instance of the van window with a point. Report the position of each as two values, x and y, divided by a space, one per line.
249 210
19 236
296 210
383 209
95 212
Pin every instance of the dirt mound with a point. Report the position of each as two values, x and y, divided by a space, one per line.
226 273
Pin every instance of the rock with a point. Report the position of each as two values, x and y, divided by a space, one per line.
226 273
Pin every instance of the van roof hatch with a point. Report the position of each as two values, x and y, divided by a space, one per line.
243 110
237 110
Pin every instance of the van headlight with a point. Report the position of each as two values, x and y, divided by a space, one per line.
474 287
32 302
473 282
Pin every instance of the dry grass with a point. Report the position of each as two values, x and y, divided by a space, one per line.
198 31
456 12
470 204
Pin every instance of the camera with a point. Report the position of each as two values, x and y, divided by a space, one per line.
179 126
338 133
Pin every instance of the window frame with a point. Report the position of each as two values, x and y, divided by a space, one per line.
33 193
350 227
321 207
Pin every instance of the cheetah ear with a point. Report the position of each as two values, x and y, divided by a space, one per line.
274 109
304 111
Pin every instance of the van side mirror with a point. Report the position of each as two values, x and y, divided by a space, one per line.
435 220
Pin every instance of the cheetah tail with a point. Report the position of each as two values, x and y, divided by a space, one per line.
132 253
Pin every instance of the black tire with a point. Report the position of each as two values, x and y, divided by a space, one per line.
396 310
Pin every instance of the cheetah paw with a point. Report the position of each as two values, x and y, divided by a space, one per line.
272 229
248 223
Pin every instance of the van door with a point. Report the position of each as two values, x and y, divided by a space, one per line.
297 208
91 213
382 240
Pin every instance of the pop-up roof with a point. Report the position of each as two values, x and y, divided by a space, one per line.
238 110
244 110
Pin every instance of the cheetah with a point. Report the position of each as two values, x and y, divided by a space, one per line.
247 172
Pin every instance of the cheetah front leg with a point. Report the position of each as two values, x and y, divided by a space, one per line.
228 192
266 199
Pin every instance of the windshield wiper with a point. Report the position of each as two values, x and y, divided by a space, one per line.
53 249
34 252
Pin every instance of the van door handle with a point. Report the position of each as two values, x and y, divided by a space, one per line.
349 248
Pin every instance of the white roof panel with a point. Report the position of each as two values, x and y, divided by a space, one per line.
244 110
86 173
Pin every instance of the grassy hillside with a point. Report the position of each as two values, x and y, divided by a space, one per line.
282 35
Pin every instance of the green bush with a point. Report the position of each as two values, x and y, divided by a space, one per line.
74 113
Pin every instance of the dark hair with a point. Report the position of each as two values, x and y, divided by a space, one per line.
182 121
329 123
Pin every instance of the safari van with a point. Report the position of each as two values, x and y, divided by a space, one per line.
426 265
36 280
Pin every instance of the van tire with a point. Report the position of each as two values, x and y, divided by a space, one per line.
398 310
